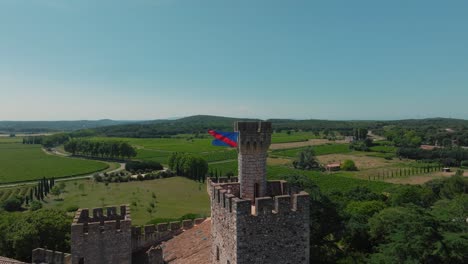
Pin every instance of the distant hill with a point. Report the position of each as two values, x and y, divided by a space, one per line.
202 123
161 128
53 126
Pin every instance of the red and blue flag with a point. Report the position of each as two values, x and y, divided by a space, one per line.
224 139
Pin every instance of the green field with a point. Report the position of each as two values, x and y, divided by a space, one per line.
283 137
11 140
28 162
159 149
175 197
319 150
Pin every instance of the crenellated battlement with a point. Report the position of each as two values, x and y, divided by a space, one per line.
253 127
103 236
226 198
98 222
149 235
254 137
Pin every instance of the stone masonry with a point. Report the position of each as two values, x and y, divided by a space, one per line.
254 141
254 220
100 239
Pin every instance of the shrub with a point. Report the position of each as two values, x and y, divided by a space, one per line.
143 166
348 165
12 204
164 174
464 163
97 177
35 205
72 208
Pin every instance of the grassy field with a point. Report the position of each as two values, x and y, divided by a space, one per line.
319 150
283 137
175 197
28 162
159 149
11 140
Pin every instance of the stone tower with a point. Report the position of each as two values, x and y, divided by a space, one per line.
254 220
253 143
102 238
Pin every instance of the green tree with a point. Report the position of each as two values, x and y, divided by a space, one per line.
12 204
348 165
306 160
404 235
21 233
56 191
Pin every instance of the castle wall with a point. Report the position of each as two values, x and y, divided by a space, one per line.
277 232
41 255
274 230
149 235
101 239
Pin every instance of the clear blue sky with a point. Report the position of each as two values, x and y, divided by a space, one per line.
149 59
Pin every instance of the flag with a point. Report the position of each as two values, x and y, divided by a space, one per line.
224 139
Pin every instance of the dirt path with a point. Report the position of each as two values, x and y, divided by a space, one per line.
310 142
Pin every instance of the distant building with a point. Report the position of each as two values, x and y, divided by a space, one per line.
428 147
333 167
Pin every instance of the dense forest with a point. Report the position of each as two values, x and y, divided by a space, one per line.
413 224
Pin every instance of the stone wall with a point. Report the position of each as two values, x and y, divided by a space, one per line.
102 238
273 230
149 235
42 255
276 232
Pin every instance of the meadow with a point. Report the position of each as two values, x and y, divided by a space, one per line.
175 197
159 149
8 140
283 137
318 150
28 162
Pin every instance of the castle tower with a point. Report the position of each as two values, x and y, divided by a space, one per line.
254 221
254 141
102 238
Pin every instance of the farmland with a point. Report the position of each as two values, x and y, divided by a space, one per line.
28 162
318 150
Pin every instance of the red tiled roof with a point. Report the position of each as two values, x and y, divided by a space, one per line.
192 246
4 260
428 147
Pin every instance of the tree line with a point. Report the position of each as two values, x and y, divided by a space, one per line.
100 149
446 156
188 165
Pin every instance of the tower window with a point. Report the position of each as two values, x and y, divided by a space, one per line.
217 253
